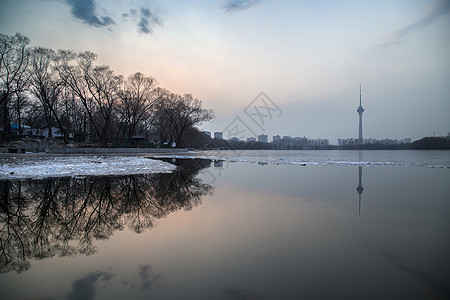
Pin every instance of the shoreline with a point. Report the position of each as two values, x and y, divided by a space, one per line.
99 151
163 151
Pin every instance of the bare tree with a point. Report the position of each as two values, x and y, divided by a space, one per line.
73 113
191 113
174 114
46 86
97 87
136 101
162 116
13 65
19 105
104 87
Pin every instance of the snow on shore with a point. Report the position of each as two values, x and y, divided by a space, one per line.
74 166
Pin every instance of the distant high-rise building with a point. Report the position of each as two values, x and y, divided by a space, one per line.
208 133
276 138
251 139
360 111
218 135
263 138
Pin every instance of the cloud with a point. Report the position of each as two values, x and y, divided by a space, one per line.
147 20
132 13
84 10
439 9
238 5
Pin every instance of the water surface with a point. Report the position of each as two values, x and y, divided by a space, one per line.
240 230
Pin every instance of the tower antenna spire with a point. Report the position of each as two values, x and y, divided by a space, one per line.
360 94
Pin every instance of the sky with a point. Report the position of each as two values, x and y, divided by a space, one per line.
264 66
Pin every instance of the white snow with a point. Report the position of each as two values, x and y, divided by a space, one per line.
75 166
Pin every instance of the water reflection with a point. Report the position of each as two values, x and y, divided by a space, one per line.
359 189
44 218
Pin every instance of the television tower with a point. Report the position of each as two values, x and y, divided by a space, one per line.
360 111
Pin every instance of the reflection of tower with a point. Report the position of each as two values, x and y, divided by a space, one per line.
359 189
360 111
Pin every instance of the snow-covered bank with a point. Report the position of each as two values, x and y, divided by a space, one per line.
74 166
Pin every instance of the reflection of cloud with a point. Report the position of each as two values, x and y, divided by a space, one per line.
238 5
84 288
146 278
144 274
427 281
84 10
240 293
440 8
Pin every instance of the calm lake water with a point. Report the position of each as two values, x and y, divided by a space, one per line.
261 225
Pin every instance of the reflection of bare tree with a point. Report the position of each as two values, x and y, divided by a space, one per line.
153 197
40 219
14 228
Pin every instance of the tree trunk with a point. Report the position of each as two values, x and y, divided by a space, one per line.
4 113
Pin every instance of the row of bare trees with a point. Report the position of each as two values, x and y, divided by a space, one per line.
42 88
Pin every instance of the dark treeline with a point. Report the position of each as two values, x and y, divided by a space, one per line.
64 217
203 141
426 143
376 146
42 88
432 143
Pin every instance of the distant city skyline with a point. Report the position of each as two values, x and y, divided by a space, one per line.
262 138
309 57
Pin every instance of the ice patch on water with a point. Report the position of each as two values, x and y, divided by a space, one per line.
78 166
318 162
212 158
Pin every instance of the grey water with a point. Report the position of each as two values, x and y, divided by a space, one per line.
435 159
256 226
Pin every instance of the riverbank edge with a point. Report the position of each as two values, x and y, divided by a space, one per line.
99 151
